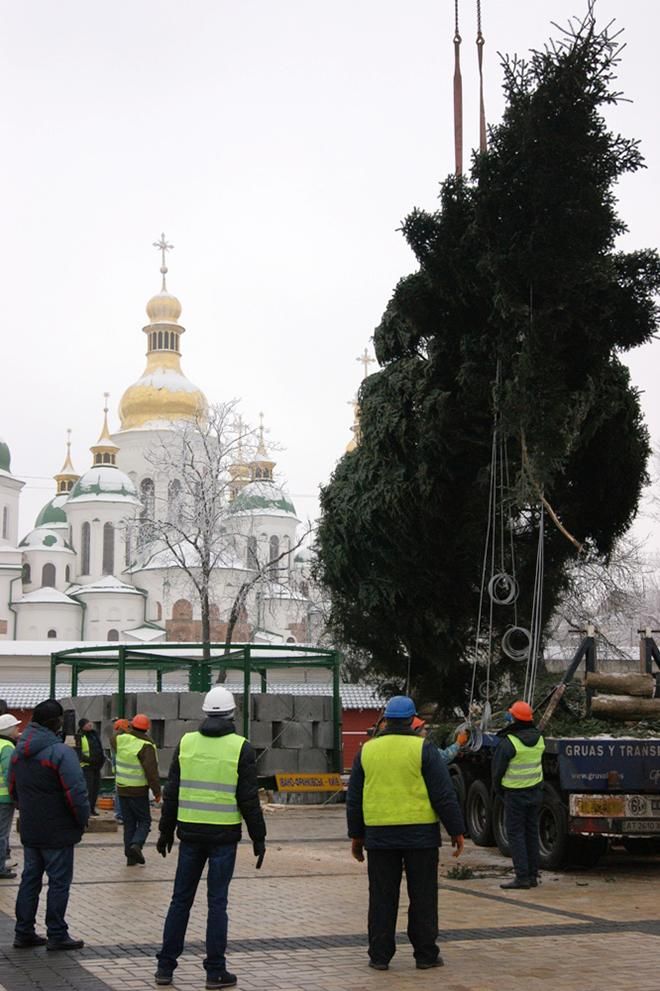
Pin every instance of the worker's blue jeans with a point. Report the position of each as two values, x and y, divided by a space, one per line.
192 859
136 813
58 865
521 809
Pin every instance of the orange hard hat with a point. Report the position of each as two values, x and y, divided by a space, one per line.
417 723
522 711
140 721
121 724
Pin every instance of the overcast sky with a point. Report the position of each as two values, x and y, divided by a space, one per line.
279 146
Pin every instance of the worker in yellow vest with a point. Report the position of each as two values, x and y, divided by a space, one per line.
518 775
92 758
212 786
136 771
9 733
398 790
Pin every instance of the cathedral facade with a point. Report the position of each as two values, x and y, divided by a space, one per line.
91 570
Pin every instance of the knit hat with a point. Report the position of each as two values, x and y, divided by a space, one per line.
45 711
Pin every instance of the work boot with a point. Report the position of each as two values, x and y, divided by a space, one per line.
7 875
135 852
65 944
163 977
517 882
379 966
535 881
23 942
226 980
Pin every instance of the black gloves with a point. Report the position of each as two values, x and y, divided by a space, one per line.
259 847
164 844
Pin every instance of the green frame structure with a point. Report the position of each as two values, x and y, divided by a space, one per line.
200 662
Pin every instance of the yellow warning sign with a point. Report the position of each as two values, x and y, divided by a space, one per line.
308 782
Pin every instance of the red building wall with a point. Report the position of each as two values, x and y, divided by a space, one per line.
355 723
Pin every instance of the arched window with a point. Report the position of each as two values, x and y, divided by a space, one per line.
5 522
106 459
27 574
113 636
182 609
174 500
175 342
252 559
84 548
160 340
108 549
274 549
67 573
52 634
159 610
48 576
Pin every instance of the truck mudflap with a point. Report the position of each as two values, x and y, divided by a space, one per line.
614 815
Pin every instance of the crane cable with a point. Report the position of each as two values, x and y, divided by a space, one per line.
458 90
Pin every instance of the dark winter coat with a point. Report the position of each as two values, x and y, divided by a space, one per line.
247 796
419 835
47 783
528 734
96 754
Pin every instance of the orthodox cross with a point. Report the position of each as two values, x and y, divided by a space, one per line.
239 426
163 247
366 360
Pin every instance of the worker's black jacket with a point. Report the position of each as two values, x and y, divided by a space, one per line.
247 796
528 734
419 835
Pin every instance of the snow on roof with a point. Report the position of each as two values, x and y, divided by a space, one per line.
47 538
146 633
105 483
107 584
43 595
26 696
166 378
166 558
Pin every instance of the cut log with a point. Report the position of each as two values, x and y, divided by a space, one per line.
642 685
620 707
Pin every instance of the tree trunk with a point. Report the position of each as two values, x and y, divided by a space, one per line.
642 685
206 624
618 707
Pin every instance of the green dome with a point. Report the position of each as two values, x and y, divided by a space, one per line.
104 482
52 512
5 456
263 497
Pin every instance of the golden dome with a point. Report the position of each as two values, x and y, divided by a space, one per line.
163 308
163 393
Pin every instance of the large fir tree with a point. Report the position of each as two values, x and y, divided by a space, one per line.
518 269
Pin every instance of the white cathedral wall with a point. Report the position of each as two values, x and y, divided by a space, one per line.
106 611
37 557
10 581
34 620
10 490
97 514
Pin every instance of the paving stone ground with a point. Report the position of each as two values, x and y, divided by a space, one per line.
299 923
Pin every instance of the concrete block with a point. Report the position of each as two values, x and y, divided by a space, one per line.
327 708
273 708
296 736
157 732
158 705
190 704
324 736
129 710
175 728
313 760
272 761
261 734
308 708
164 760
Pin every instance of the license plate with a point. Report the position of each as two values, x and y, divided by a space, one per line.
597 805
640 826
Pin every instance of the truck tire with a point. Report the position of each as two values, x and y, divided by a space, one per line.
499 828
553 830
586 851
461 783
479 814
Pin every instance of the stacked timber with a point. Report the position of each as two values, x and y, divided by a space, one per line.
628 696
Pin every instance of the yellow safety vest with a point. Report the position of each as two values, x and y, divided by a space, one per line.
129 772
84 750
525 767
4 788
395 792
209 776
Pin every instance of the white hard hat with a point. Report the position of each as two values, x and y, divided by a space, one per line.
219 701
7 721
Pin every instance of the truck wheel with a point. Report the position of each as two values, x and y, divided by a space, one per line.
642 846
499 828
553 829
479 814
461 783
586 851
